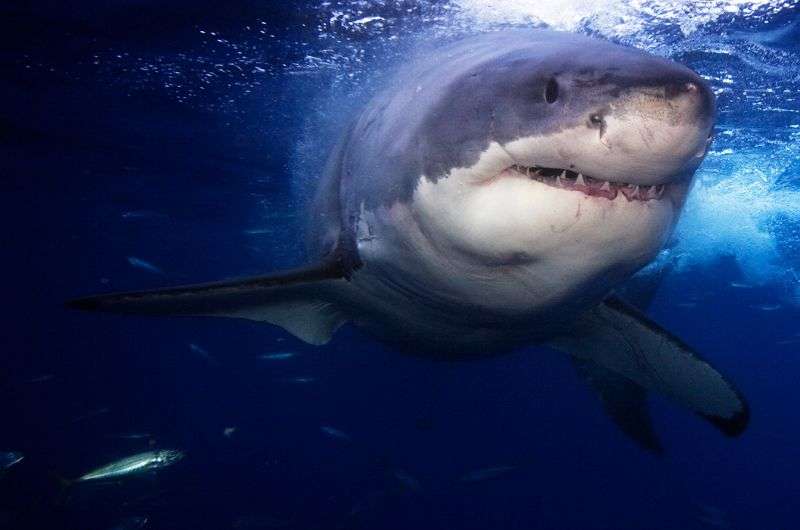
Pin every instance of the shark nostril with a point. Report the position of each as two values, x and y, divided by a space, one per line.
690 88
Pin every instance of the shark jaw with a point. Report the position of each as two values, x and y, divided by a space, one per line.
515 244
594 187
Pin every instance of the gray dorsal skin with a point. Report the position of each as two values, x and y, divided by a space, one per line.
492 195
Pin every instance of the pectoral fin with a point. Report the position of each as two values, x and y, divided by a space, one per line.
624 401
301 301
621 339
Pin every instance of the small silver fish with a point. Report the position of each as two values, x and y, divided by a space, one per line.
131 523
144 265
767 307
487 473
335 433
92 414
130 436
199 350
133 465
300 380
143 214
41 378
259 521
9 458
409 482
282 356
713 517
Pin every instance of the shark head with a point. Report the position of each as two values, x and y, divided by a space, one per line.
550 166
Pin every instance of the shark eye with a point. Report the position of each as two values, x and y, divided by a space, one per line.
596 119
551 91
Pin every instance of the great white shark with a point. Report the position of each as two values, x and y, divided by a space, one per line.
495 194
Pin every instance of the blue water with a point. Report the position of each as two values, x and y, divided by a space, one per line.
189 137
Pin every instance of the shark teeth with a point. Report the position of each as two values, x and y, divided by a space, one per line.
567 179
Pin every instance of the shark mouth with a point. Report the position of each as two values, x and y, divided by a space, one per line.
570 180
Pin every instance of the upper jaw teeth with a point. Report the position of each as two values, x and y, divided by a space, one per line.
564 178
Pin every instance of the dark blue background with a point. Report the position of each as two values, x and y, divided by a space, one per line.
78 150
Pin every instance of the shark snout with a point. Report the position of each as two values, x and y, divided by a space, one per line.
656 133
695 95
